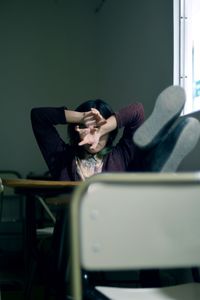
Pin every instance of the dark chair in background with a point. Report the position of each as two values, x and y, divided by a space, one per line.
11 235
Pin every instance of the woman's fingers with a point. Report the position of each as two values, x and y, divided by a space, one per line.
89 136
99 118
93 118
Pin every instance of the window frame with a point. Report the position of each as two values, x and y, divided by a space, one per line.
183 71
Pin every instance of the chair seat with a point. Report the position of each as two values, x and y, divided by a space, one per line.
188 291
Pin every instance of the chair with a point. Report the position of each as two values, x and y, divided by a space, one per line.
136 222
11 235
1 186
1 190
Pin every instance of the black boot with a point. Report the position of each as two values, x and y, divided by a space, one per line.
180 140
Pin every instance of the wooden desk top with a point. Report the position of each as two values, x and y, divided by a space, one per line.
31 184
47 188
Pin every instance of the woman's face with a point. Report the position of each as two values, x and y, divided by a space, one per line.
101 145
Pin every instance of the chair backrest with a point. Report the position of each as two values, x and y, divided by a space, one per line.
12 209
1 186
9 174
135 221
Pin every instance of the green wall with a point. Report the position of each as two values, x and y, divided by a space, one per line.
60 52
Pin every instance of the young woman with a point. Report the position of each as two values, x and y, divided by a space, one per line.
92 129
162 142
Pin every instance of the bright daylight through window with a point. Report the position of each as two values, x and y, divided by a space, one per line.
187 51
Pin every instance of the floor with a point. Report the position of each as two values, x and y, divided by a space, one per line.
18 295
13 282
12 287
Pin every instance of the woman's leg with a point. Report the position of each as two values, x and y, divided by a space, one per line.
165 139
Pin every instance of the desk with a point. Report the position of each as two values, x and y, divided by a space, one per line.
30 188
29 184
49 188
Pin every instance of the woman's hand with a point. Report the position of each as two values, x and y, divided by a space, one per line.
93 118
89 136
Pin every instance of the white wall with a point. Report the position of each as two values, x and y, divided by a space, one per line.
56 52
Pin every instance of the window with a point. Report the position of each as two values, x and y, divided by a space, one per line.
187 51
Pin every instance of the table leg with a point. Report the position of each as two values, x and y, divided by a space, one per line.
30 244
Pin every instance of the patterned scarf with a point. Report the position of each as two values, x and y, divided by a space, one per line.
89 166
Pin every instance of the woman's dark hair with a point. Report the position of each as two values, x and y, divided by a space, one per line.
106 111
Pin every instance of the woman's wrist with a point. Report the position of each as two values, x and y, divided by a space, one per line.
74 116
110 125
